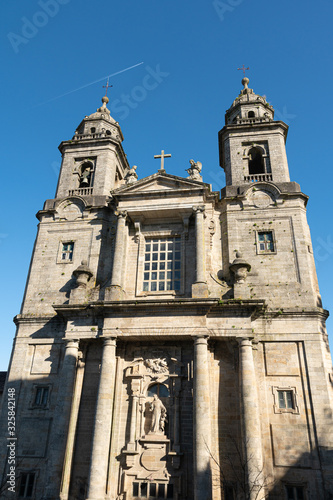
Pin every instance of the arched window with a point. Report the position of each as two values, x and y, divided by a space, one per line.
93 130
251 114
160 389
108 132
256 161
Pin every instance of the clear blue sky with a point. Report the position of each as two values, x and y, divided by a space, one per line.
53 47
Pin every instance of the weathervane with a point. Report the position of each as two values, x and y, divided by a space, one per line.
243 69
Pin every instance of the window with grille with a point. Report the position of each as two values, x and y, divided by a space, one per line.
265 242
162 267
26 485
295 492
152 490
67 251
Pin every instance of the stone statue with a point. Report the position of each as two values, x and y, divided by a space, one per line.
158 416
194 170
131 175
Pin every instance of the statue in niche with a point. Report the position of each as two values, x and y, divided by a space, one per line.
85 175
131 177
194 170
159 414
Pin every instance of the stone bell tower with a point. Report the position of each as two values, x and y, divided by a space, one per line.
252 144
265 209
93 162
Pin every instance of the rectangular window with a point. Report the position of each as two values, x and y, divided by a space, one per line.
67 251
286 399
42 396
27 485
265 242
162 267
135 489
295 492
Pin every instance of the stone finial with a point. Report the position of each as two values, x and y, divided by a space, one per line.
239 268
245 82
82 274
103 108
131 177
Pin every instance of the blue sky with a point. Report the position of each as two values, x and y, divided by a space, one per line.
192 49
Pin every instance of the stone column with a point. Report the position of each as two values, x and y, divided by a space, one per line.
199 288
118 258
61 419
103 421
201 424
252 446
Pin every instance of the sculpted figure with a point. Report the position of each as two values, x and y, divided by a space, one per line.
158 415
194 170
131 175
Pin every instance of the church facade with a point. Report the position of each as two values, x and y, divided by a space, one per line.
172 341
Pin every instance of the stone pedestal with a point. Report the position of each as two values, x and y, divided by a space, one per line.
102 426
201 424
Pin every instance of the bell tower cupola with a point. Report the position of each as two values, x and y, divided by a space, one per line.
252 144
93 161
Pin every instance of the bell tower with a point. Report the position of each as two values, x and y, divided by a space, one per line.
252 144
93 161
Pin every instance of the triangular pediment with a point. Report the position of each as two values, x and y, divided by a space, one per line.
160 182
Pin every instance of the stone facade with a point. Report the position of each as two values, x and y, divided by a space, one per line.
171 342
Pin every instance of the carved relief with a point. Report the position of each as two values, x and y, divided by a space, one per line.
156 365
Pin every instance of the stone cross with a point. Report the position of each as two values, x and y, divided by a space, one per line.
162 156
243 69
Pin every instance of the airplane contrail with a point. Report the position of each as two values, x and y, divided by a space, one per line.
88 85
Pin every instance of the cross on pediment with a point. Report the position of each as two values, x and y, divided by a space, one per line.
162 156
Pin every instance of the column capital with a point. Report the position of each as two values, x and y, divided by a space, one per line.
121 214
200 339
109 341
72 343
198 209
245 341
